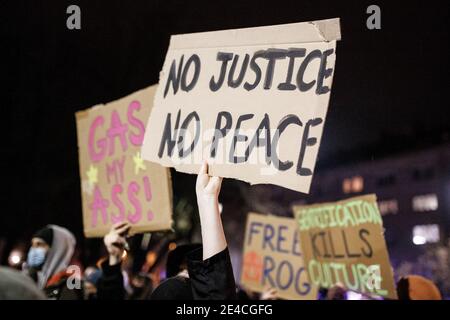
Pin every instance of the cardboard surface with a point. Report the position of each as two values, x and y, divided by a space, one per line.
343 242
272 257
251 101
116 183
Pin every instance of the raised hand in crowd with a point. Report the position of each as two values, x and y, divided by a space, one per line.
116 242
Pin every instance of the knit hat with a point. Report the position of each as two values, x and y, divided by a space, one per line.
415 287
45 234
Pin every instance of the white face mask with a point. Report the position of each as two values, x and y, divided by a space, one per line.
36 257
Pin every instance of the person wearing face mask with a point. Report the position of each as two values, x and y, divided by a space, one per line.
48 258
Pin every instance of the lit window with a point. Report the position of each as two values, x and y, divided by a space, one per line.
427 202
353 185
388 207
423 234
358 184
347 185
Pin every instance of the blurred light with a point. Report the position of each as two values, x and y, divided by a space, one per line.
426 234
151 258
352 295
146 240
99 262
427 202
353 184
358 184
347 185
172 246
220 207
418 240
183 224
124 254
15 257
388 206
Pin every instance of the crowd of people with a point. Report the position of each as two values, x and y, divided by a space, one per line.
193 272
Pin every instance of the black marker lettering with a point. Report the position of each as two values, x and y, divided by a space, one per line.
167 135
220 132
224 57
292 54
307 142
324 72
182 152
301 84
196 60
287 120
231 81
272 55
238 137
174 77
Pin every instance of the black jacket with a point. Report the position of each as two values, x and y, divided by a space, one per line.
211 279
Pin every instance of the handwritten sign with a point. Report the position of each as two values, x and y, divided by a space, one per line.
272 257
116 183
343 243
250 101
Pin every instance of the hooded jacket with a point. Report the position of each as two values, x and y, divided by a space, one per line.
58 256
52 276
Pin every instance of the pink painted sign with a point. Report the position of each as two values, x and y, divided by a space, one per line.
116 183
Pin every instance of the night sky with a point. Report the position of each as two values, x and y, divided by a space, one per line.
389 90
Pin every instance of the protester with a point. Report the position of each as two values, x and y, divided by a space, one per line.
141 287
17 286
336 292
414 287
48 258
91 278
209 273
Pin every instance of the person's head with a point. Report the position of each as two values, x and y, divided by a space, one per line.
91 280
40 245
51 250
336 292
177 260
177 286
142 286
415 287
174 288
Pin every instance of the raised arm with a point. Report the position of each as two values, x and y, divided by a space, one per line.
208 189
110 285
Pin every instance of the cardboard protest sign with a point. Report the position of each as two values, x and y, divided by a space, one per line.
272 257
250 101
342 242
116 183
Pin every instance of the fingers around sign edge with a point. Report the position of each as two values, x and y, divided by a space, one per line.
124 230
204 168
119 225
